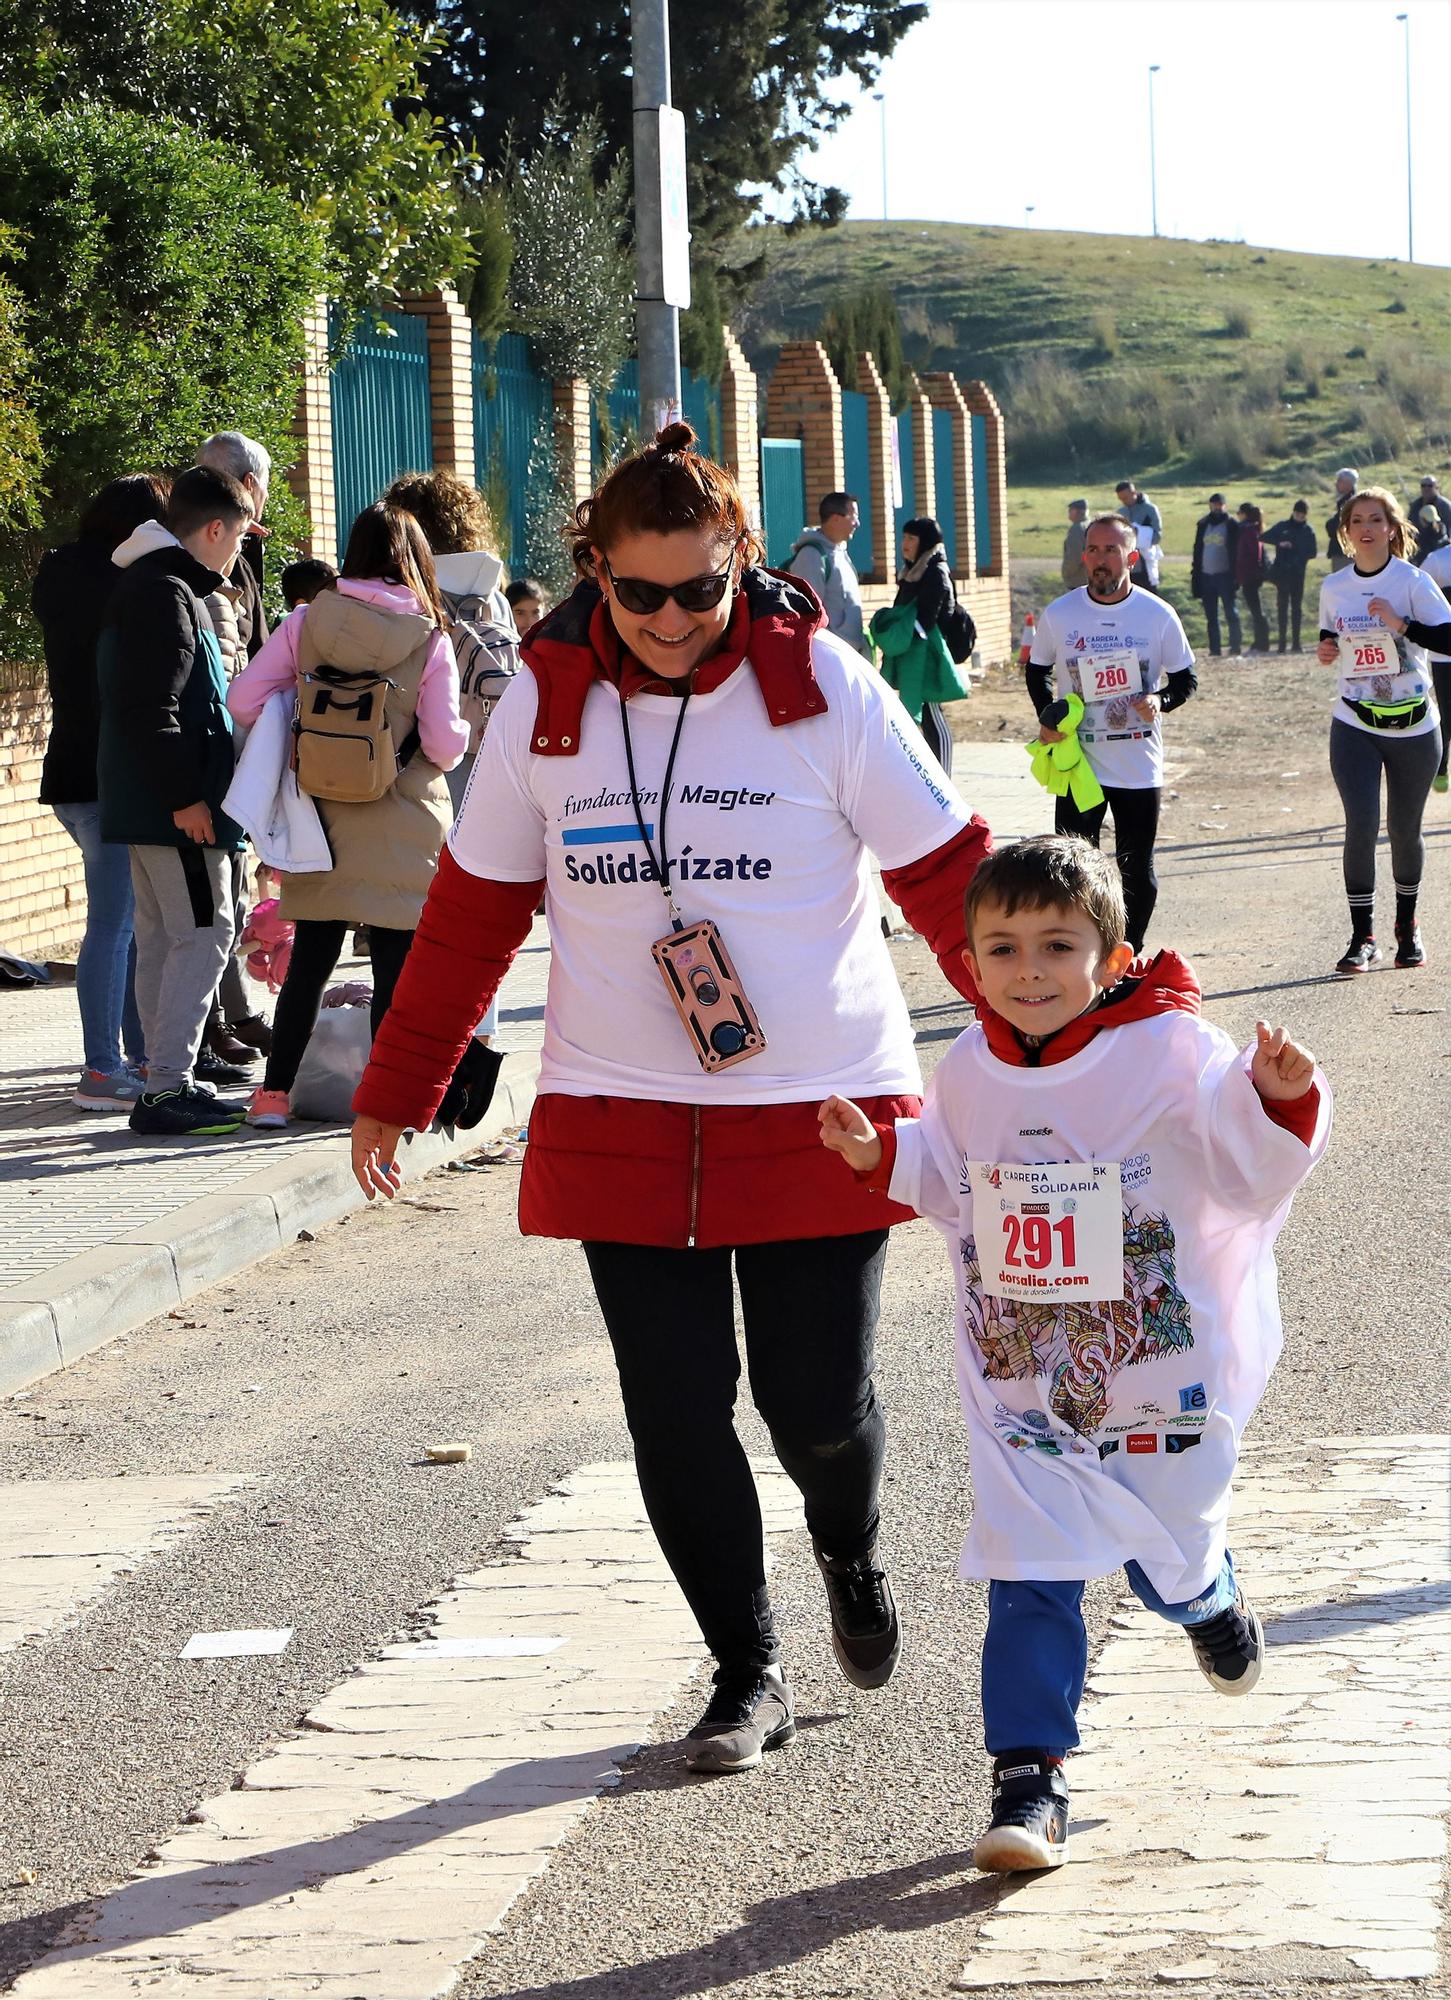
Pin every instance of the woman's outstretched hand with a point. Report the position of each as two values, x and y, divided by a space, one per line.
846 1129
375 1162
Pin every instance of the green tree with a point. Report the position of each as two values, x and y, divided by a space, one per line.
762 92
548 504
861 323
20 458
125 237
571 285
484 287
702 329
323 96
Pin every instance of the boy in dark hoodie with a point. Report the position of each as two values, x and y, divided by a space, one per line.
165 761
1097 1156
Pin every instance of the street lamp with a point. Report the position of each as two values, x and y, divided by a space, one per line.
1027 211
1405 20
881 97
1153 169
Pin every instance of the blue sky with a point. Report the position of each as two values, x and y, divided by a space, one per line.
1279 121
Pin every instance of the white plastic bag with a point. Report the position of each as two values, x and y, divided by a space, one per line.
333 1065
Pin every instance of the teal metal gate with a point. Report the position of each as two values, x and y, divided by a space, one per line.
982 512
513 407
382 419
857 464
942 456
783 496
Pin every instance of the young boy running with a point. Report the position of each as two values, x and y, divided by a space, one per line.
1110 1174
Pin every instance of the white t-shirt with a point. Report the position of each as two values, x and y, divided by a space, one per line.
1437 566
1108 653
1375 664
769 833
1104 1430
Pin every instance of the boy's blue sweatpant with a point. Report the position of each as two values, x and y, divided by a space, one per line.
1035 1655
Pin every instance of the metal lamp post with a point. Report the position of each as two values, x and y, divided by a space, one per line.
881 98
1153 164
1405 21
662 235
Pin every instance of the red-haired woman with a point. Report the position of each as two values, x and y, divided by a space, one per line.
690 747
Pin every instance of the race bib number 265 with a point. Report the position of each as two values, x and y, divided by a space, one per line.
1049 1232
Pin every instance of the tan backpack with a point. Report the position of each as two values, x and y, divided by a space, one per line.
342 746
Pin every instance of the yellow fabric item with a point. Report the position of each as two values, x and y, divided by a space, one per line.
1062 768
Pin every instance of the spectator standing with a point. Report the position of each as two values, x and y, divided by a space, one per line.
1294 548
72 589
1139 509
165 761
1437 566
926 582
1074 573
1124 652
1251 572
1430 499
1430 533
250 464
302 580
528 601
1212 578
383 613
1346 482
819 557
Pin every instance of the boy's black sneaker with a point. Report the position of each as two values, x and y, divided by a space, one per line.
1410 951
749 1712
1360 955
1230 1648
866 1634
1029 1827
183 1114
209 1068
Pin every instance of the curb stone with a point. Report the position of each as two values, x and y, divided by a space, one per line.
52 1320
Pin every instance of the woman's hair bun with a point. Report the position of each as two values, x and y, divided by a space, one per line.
679 436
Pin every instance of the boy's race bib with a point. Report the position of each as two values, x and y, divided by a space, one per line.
1049 1232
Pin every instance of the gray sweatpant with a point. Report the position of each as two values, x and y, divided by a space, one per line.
183 937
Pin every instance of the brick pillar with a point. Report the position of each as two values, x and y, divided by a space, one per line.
572 438
740 444
946 395
878 500
450 379
980 398
311 477
804 401
924 472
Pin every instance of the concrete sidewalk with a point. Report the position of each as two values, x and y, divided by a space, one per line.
100 1230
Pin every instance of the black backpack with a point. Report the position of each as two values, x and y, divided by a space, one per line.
959 632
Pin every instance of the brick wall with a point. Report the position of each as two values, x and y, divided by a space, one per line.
879 499
311 479
450 378
804 401
954 482
572 437
42 888
740 444
924 453
980 398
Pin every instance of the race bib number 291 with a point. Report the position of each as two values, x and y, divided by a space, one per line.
1049 1232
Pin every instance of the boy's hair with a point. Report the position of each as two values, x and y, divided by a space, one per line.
303 579
1051 871
453 515
523 587
202 495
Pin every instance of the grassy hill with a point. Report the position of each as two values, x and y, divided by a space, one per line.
1178 362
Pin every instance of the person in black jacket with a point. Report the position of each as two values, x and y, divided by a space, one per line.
926 581
1212 577
1293 546
72 588
164 765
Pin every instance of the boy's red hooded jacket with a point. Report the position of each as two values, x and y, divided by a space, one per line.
625 1170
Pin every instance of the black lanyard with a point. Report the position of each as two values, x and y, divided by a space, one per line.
660 865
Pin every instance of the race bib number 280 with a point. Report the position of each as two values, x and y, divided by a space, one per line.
1049 1232
1113 675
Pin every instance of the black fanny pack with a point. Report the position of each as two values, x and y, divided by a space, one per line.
1376 718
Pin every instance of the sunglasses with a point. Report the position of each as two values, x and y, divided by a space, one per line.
697 593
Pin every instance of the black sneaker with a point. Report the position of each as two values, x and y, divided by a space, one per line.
1409 949
181 1114
1360 955
209 1068
866 1634
1029 1827
748 1713
1230 1648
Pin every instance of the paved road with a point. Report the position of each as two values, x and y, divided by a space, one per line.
439 1808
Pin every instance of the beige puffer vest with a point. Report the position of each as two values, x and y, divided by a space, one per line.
384 852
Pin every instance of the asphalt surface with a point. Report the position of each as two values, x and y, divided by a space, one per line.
842 1867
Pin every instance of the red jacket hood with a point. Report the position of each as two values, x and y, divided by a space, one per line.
773 622
1163 984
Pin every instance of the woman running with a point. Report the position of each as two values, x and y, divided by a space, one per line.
1378 619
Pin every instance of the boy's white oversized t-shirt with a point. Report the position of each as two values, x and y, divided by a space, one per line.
769 831
1106 1431
1109 653
1344 609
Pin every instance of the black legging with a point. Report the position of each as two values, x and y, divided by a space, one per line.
1290 590
937 735
1441 675
1135 829
809 1309
316 950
